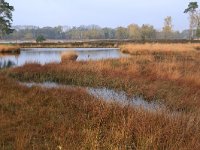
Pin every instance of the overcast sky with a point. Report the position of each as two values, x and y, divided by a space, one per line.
111 13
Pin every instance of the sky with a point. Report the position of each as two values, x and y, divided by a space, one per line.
105 13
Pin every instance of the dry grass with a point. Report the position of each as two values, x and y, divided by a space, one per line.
47 118
153 48
69 56
168 61
38 118
9 54
9 49
176 84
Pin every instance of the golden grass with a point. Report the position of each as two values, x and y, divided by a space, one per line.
156 47
9 49
69 56
168 61
9 54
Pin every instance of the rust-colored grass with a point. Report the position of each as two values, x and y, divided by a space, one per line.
69 56
168 61
9 49
53 118
170 79
39 118
9 54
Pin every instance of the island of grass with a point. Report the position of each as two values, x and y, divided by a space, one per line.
9 49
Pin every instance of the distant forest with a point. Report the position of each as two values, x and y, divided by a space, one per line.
132 32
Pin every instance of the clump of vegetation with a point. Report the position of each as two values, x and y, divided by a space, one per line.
68 56
40 39
9 49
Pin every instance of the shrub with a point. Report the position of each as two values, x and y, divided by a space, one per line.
69 56
40 39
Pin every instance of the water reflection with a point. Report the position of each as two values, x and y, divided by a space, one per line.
48 55
6 64
121 97
106 94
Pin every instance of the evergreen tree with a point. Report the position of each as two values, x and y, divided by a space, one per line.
5 18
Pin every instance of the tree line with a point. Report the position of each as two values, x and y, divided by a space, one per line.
133 31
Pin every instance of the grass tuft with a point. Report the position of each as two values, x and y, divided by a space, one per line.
9 49
69 56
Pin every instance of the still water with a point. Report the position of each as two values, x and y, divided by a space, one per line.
49 55
108 95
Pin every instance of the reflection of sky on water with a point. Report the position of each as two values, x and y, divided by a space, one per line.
48 55
108 95
6 64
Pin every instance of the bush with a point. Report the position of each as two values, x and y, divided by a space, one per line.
40 39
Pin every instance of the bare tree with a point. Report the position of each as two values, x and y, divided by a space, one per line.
168 27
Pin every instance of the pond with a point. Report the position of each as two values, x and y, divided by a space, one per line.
49 55
108 95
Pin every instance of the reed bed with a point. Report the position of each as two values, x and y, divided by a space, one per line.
149 48
72 119
39 118
168 61
173 81
9 49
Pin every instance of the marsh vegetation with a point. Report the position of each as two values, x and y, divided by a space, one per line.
9 49
69 56
148 100
71 118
